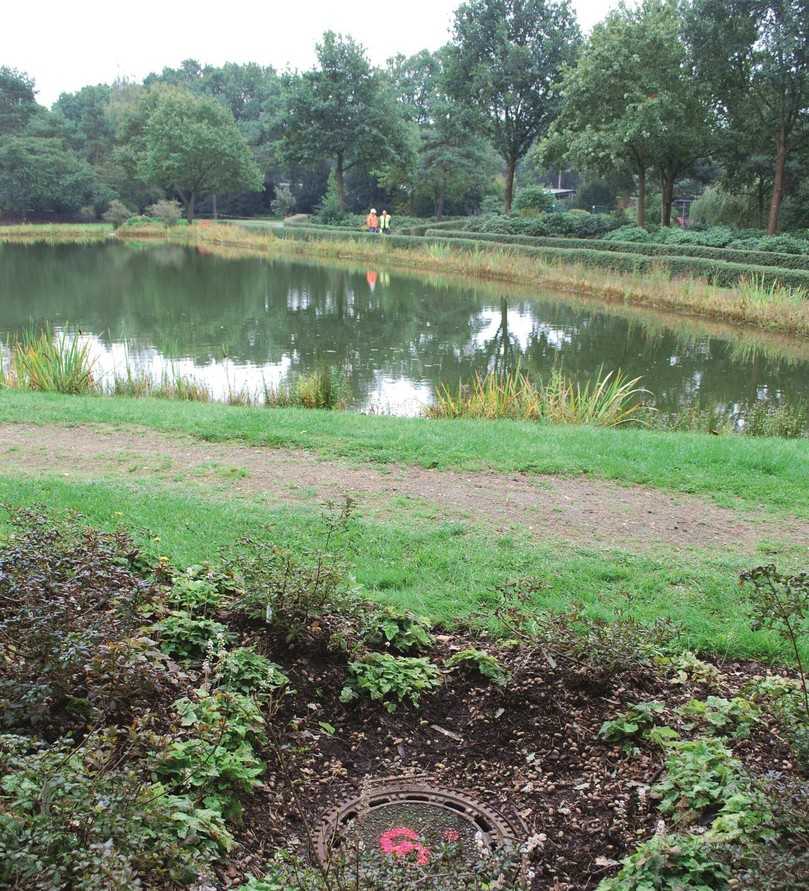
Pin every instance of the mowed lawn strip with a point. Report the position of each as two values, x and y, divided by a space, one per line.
448 571
734 471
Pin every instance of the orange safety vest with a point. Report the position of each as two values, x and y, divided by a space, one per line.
373 221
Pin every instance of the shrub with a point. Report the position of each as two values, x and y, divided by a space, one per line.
534 199
70 652
390 679
637 720
243 670
670 862
70 819
483 663
701 775
330 211
186 637
117 213
284 201
721 716
88 214
165 211
400 631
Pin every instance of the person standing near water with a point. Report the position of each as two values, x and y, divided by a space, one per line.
373 221
384 222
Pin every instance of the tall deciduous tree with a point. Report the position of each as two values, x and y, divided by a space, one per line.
17 100
344 111
190 145
754 55
631 104
507 59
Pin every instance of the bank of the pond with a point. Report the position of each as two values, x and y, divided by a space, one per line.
753 473
750 302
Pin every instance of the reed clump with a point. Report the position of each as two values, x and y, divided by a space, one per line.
170 385
324 388
50 363
608 400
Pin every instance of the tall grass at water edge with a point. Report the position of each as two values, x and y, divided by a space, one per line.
609 400
50 363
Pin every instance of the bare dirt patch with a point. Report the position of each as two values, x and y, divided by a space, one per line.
579 510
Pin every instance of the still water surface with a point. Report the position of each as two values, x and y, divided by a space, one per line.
236 323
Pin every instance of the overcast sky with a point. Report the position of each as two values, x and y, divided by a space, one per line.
65 45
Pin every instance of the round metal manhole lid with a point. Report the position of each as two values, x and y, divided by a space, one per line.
411 816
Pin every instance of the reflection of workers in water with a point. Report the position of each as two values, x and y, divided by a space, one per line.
370 277
384 279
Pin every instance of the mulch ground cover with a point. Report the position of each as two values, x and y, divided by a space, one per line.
530 749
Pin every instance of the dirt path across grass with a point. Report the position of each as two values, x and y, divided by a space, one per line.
579 510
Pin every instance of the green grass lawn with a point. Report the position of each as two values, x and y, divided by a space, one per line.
448 571
768 474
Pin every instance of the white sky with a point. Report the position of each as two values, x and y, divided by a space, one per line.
65 45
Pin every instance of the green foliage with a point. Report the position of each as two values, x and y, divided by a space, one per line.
184 636
717 207
701 775
166 212
17 100
573 223
784 698
635 722
330 211
397 630
671 863
53 363
39 175
190 145
117 213
194 591
690 669
722 717
390 680
483 663
72 819
534 199
243 670
284 201
506 59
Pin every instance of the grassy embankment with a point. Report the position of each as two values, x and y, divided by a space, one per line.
413 555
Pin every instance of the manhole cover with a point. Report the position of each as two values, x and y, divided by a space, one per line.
411 816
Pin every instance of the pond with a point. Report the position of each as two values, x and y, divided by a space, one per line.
243 323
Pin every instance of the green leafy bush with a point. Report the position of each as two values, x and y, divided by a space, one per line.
166 212
577 223
483 663
635 722
184 636
401 631
243 670
722 717
222 717
117 213
390 680
670 863
688 668
701 775
70 819
534 199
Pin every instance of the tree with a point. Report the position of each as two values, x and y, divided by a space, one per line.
630 102
507 60
343 110
39 176
88 125
754 57
17 100
190 145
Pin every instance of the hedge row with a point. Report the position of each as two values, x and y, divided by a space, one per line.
717 271
730 255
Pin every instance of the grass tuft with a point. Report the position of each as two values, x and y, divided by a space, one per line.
51 364
609 400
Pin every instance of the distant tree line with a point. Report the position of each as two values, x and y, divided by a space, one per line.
669 94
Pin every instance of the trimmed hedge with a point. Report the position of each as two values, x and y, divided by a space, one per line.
729 255
717 271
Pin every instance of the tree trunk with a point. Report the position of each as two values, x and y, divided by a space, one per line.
667 198
213 202
642 196
339 181
511 168
189 208
439 207
778 182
